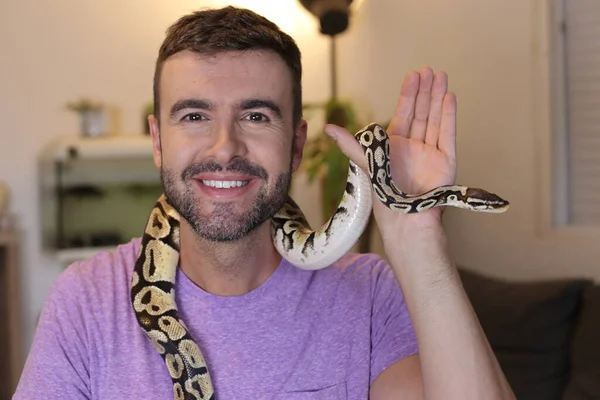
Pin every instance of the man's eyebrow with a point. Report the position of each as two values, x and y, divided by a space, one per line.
261 103
190 103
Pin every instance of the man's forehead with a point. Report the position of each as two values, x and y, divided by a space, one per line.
265 61
260 72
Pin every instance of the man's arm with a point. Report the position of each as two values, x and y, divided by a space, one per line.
401 380
57 363
455 359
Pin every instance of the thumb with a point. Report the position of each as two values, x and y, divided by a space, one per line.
347 144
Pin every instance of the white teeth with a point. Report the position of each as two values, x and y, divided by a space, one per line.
225 184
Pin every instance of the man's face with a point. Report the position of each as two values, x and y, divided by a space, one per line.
227 145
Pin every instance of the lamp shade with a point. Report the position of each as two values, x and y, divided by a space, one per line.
333 15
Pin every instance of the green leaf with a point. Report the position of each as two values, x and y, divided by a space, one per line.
323 160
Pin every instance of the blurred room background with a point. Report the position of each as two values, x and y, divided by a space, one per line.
527 95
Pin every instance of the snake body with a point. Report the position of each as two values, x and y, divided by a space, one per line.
153 280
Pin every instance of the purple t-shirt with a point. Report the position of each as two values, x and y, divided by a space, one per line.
323 334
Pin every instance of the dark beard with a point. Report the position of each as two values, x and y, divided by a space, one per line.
223 225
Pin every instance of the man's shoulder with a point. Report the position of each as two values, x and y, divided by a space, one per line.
359 274
360 266
103 269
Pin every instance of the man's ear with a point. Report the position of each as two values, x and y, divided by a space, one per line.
156 145
298 144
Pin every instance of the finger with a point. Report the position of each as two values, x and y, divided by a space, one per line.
447 139
419 123
347 144
405 107
438 91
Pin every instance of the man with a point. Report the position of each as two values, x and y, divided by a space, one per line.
227 133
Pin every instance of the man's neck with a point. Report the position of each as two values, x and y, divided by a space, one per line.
228 268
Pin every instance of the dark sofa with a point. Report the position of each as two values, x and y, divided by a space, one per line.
545 334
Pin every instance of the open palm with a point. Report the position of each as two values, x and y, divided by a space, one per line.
422 133
418 167
422 136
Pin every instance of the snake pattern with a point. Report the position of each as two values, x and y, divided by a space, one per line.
153 280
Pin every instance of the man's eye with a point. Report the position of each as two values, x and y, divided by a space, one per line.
193 117
257 117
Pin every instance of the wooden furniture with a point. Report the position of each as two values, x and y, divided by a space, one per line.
11 346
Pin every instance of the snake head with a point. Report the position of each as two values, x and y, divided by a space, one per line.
482 200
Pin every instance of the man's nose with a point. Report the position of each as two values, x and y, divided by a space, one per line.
228 144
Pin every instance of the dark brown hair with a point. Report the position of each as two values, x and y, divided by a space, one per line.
211 31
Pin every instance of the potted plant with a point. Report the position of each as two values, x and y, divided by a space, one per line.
91 114
324 162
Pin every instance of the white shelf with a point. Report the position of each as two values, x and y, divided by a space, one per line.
101 147
69 256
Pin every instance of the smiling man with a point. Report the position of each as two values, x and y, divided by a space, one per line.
228 133
227 139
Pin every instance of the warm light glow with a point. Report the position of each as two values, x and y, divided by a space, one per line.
289 15
356 5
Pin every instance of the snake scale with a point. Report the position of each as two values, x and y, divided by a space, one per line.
153 280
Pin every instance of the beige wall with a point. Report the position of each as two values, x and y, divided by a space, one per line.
55 52
494 52
498 55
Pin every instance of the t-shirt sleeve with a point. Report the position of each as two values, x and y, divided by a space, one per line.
57 363
393 337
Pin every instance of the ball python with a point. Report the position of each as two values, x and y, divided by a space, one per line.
153 279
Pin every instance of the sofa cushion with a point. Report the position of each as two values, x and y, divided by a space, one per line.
585 357
529 326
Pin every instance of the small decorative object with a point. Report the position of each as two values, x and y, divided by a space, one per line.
6 219
148 110
3 198
92 114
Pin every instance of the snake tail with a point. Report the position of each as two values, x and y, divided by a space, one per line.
153 298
